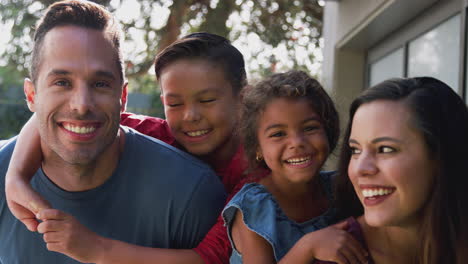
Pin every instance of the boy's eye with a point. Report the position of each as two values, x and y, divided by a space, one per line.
386 149
207 100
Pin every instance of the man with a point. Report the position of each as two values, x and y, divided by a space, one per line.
99 178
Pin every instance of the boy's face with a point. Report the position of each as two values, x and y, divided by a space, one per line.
200 107
78 94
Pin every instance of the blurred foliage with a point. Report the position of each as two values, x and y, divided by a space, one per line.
289 23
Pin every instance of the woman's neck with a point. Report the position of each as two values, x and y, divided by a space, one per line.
391 244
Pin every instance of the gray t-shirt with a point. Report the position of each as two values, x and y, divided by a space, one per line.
157 197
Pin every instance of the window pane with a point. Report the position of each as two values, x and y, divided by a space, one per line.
437 52
388 67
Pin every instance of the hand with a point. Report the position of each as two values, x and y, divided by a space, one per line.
24 202
335 244
64 234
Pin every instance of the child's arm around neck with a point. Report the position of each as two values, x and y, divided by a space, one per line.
22 200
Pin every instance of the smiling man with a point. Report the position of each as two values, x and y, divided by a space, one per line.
100 178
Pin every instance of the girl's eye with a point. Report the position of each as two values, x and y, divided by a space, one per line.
386 149
311 128
277 134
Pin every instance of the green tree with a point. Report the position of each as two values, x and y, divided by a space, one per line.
276 22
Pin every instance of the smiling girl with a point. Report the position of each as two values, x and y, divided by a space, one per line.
290 126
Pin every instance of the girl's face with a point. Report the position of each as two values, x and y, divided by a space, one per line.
292 140
390 167
200 106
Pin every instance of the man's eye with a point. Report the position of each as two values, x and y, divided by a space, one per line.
173 105
102 84
62 83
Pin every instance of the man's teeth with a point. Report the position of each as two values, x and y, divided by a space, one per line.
298 161
197 133
79 130
376 192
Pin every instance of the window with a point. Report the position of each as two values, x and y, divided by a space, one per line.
387 67
436 53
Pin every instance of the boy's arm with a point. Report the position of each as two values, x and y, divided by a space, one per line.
23 201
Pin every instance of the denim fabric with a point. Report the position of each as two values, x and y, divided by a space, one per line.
262 214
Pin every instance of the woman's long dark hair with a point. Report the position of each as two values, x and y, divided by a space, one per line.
441 116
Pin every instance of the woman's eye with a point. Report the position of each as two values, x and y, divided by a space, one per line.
386 149
355 151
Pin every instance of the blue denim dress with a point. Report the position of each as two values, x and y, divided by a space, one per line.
262 214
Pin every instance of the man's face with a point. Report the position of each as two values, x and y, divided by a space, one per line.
78 94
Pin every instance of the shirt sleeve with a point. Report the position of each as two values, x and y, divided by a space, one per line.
215 247
150 126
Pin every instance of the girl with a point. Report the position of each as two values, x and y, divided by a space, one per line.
200 77
290 126
404 155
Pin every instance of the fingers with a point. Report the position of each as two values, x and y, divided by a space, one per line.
22 193
51 214
341 225
353 251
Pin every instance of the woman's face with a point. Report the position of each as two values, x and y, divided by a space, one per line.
390 167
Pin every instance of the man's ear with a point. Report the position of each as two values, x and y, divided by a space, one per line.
123 99
30 93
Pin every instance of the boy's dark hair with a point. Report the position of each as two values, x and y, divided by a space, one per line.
295 85
78 13
441 116
209 47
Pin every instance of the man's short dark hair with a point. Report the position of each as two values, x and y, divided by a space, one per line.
78 13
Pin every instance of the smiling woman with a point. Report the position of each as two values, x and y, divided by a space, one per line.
404 154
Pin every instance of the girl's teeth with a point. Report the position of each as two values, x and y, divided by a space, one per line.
376 192
79 130
197 133
298 161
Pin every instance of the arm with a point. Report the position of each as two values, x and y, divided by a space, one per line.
22 200
150 126
64 234
253 247
329 244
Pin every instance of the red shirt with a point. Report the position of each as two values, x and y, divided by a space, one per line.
215 247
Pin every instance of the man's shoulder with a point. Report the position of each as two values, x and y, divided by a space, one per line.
154 150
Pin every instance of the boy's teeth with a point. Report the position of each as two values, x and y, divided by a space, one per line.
376 192
298 160
79 130
197 133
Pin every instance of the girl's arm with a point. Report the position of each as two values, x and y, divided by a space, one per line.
23 201
329 244
253 247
